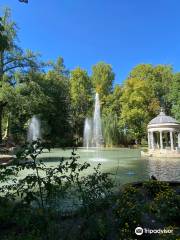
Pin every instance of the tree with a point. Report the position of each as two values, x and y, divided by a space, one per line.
27 100
174 96
12 58
161 83
81 98
45 95
145 91
112 102
3 37
3 47
139 104
60 68
111 112
159 79
55 114
102 78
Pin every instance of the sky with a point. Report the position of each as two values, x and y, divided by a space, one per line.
123 33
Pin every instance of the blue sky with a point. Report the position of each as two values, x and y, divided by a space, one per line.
123 33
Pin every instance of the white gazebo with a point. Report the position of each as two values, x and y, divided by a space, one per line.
164 135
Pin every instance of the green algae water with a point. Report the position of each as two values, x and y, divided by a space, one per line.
125 165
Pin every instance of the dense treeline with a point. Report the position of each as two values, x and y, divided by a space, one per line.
62 98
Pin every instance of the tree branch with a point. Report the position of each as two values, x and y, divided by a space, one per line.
18 59
16 66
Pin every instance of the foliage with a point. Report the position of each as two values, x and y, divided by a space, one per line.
161 84
19 222
174 96
12 58
158 78
102 78
28 99
94 188
154 187
3 37
62 99
111 112
111 132
115 220
128 211
45 184
145 90
94 227
81 99
55 114
136 207
167 206
45 95
139 105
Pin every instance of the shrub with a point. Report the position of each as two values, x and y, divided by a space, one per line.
45 186
153 187
94 189
128 211
42 185
26 236
94 227
167 206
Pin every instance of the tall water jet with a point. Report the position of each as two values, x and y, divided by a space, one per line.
34 129
97 129
87 137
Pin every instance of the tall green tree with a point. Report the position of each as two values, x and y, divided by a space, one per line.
139 105
81 98
111 112
12 58
55 114
102 78
174 96
159 78
28 99
3 37
162 83
145 91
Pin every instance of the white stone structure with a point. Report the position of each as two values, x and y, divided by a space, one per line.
164 135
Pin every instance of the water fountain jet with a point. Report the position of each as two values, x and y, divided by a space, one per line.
34 129
92 128
97 128
87 137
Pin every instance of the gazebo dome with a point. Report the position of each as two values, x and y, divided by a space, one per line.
162 118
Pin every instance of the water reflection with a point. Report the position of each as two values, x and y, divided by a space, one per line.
164 169
125 165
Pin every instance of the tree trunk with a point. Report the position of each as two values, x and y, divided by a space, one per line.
6 132
0 124
2 105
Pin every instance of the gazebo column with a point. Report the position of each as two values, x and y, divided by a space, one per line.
178 140
149 141
152 140
161 140
171 139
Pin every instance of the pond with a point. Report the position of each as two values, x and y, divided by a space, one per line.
125 165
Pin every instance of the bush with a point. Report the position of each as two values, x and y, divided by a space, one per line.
167 206
94 227
26 236
128 211
153 187
94 189
40 191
